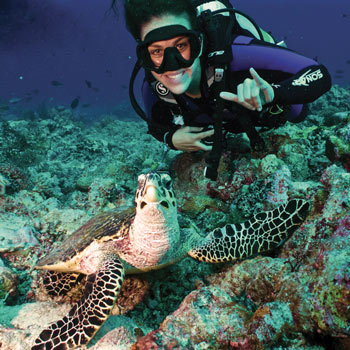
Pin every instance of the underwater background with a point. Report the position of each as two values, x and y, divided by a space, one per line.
72 147
71 42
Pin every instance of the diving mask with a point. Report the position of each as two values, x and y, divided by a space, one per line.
172 58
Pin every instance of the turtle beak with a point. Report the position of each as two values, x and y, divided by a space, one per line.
151 195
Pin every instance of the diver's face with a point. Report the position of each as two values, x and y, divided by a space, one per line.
181 80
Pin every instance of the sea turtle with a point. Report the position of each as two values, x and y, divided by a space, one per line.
141 239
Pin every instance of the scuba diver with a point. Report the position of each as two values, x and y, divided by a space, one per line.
209 68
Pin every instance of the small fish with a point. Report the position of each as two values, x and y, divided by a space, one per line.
343 15
339 71
56 83
85 105
14 100
75 103
35 91
96 89
347 61
109 72
338 77
88 83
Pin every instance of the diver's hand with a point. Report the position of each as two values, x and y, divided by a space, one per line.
189 138
252 93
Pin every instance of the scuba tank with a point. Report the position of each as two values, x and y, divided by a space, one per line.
220 23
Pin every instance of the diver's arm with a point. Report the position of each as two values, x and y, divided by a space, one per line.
187 138
159 117
306 86
296 79
161 126
162 133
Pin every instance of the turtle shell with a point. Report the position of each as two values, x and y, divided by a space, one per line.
102 228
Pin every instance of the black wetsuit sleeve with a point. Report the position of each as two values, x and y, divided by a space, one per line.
162 133
304 87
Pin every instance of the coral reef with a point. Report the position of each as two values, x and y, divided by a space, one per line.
57 172
263 302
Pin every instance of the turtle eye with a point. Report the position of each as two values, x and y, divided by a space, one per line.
168 184
164 204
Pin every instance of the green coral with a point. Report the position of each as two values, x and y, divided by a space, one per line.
343 147
3 183
20 149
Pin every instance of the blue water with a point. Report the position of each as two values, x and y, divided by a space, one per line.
74 41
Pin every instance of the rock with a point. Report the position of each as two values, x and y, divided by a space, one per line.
3 183
337 118
269 165
12 239
73 172
14 339
271 301
8 282
118 339
27 322
338 146
257 303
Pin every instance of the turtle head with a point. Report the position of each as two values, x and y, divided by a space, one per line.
154 237
155 195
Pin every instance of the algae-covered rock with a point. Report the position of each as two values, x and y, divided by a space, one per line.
12 239
8 282
338 146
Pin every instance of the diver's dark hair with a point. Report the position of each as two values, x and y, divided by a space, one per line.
139 12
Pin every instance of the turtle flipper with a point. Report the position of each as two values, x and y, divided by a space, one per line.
88 315
59 283
263 232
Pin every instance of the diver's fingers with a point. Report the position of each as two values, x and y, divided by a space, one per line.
202 146
256 100
265 87
192 128
247 93
240 93
229 96
241 98
259 81
269 93
202 135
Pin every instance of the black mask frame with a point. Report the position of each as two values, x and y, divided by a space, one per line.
172 58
